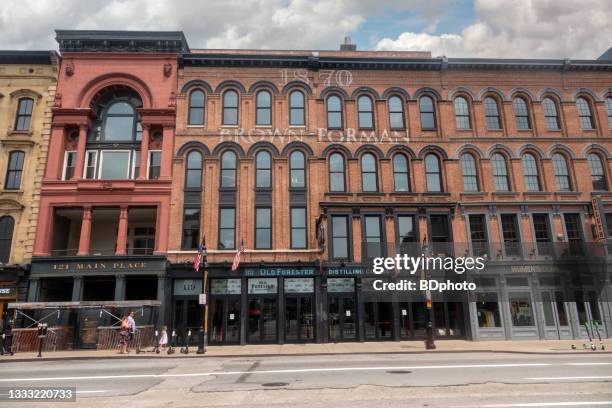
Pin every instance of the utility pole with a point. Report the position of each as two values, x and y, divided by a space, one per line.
203 333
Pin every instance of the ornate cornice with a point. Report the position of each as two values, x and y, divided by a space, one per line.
121 41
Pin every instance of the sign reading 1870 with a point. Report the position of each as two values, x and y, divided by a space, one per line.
329 77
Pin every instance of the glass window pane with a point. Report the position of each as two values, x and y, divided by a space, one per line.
468 168
115 165
297 117
432 172
531 172
119 128
561 172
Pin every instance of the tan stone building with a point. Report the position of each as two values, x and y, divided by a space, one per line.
27 91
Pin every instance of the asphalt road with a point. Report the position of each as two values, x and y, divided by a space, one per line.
387 380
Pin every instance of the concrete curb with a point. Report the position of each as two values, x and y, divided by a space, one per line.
193 355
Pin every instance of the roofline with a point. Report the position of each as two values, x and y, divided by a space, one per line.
316 61
42 57
121 40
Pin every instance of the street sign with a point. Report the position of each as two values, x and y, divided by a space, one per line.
202 298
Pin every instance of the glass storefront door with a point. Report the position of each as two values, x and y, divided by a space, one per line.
378 320
299 309
187 315
299 322
224 326
588 310
262 320
448 318
556 322
262 310
341 309
224 312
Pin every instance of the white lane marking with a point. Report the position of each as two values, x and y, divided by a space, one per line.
593 377
549 404
587 364
299 370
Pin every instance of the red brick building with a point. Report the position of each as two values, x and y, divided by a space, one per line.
105 197
317 162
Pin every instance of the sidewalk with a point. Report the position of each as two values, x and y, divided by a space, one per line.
391 347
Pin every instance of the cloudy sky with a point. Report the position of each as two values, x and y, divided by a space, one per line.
455 28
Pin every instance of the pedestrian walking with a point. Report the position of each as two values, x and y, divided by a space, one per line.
132 328
124 332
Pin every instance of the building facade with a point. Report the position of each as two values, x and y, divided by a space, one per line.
315 163
105 196
27 91
320 161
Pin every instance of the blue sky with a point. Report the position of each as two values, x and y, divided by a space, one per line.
455 28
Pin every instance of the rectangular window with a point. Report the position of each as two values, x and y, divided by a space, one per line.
440 234
407 234
340 237
541 230
14 171
263 228
154 164
227 228
573 232
298 228
114 164
521 310
478 235
511 235
91 161
191 228
487 310
372 236
69 165
136 164
24 114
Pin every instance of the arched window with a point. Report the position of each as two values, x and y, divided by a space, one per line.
336 172
492 113
196 107
462 113
14 170
401 178
297 169
396 113
500 173
334 112
264 108
120 122
550 114
598 175
609 111
365 112
531 173
263 170
193 170
469 172
230 108
7 224
24 114
228 170
369 174
432 173
521 114
428 113
585 114
561 172
297 115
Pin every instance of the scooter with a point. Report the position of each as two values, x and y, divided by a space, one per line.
185 348
587 328
601 344
155 346
172 343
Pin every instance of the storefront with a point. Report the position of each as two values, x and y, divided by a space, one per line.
539 301
13 288
98 279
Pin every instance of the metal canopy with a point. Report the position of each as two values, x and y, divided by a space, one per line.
83 304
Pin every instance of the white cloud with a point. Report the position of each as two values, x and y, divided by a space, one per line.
521 29
288 24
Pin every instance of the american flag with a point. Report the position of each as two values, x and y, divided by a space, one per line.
239 252
200 256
